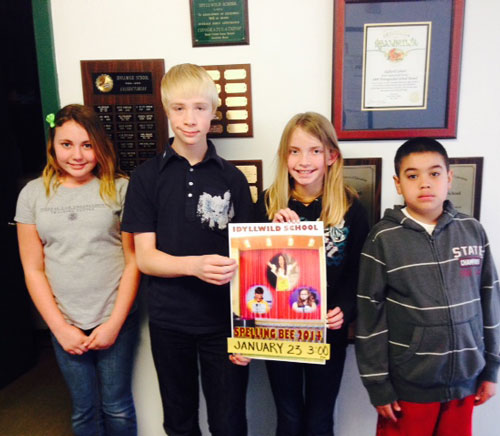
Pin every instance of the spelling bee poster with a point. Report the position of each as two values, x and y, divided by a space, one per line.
278 294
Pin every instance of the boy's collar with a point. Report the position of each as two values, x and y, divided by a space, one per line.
170 153
449 212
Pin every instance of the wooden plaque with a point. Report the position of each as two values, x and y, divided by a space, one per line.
234 113
126 95
252 169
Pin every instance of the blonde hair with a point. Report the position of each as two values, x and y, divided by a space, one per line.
189 80
105 170
337 197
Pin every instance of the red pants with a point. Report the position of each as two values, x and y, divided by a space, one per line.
453 418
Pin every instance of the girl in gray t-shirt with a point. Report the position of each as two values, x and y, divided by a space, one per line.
80 269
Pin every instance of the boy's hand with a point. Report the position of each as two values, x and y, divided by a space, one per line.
213 268
485 391
335 318
286 215
238 359
388 411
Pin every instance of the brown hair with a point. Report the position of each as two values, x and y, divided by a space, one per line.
105 170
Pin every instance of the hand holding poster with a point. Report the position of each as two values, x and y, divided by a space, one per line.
278 295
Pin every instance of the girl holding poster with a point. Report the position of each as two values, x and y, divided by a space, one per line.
309 186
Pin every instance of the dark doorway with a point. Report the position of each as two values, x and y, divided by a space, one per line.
23 141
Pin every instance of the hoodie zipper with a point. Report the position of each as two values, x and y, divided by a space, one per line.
451 332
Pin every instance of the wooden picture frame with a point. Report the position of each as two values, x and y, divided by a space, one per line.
424 62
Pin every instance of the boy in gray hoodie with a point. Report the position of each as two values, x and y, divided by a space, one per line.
428 328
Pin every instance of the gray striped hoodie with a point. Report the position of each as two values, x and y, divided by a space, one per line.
428 326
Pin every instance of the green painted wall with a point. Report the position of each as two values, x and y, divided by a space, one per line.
44 40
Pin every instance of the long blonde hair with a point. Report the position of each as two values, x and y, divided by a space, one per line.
337 196
105 170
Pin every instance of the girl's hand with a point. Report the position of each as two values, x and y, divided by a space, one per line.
103 336
238 359
72 339
335 318
286 215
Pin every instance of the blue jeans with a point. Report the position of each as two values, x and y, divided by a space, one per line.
99 382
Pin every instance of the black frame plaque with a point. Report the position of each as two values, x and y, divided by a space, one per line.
126 96
364 175
466 185
216 22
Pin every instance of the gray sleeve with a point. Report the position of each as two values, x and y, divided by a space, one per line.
25 208
490 302
372 347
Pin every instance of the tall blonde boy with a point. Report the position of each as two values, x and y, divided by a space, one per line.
178 206
428 329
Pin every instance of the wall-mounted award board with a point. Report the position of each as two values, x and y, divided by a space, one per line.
126 96
252 170
234 113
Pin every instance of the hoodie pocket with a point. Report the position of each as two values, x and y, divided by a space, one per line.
438 355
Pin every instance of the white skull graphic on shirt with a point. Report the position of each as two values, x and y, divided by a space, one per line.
215 210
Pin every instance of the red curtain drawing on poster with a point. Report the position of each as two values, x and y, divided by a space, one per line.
279 284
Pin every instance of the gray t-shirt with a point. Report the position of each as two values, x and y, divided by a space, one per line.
82 246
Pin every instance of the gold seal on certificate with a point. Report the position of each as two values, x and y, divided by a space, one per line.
104 83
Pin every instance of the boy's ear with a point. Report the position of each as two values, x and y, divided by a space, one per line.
397 184
450 178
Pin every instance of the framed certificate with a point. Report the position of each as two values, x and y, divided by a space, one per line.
396 68
465 192
396 74
364 175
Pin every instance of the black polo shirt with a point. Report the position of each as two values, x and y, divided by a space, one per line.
188 207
